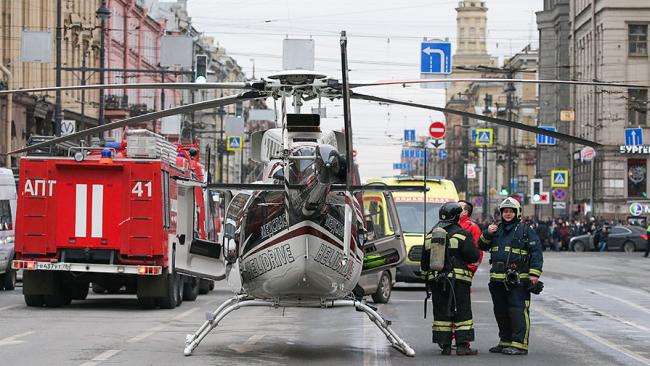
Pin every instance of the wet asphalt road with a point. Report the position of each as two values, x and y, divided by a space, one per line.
595 310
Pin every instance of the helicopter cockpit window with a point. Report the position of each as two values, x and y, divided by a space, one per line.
301 169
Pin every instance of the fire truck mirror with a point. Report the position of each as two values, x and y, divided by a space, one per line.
181 239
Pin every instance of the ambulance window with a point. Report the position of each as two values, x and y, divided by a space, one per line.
165 200
377 218
5 215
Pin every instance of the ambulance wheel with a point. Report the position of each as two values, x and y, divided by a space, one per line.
170 299
191 289
34 300
384 289
205 286
147 303
9 279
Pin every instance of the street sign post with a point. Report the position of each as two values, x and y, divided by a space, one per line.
559 178
234 143
437 130
435 57
409 135
633 136
484 137
546 140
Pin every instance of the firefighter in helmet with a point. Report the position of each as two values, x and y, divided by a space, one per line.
447 251
516 259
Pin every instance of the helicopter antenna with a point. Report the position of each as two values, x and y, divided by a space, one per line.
346 110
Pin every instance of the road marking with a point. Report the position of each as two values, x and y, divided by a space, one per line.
576 328
422 300
160 327
248 345
602 313
102 357
10 307
636 306
14 339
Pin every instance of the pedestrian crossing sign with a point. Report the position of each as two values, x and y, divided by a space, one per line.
559 178
484 137
234 143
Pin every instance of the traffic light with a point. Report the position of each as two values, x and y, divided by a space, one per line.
201 69
536 187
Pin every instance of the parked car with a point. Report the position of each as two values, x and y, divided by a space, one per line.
7 222
621 237
379 285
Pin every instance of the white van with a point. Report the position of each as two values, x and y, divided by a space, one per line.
7 223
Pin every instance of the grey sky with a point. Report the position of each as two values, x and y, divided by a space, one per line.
384 35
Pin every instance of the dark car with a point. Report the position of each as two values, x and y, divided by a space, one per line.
622 237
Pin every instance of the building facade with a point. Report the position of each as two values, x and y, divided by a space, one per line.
609 41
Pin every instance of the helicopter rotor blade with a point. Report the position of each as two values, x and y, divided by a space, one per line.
254 85
345 89
493 80
213 103
498 121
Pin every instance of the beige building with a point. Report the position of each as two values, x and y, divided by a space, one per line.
609 42
33 114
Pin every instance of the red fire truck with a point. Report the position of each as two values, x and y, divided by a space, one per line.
126 215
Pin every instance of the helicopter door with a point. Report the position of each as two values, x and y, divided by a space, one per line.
195 256
385 247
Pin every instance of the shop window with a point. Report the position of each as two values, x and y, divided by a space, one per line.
637 107
637 178
638 39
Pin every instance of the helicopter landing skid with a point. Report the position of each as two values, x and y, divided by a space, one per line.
240 301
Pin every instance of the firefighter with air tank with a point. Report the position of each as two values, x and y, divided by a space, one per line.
448 249
516 265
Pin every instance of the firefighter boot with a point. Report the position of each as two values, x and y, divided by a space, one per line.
446 349
463 349
514 351
497 349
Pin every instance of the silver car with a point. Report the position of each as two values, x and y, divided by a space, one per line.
7 223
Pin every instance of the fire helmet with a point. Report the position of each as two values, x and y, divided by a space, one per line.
513 204
449 213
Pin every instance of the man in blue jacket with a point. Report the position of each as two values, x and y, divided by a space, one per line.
516 260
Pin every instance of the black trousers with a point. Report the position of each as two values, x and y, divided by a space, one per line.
451 318
511 310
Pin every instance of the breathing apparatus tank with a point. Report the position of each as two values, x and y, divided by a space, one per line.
438 246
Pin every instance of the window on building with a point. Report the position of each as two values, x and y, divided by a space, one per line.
637 107
637 178
638 38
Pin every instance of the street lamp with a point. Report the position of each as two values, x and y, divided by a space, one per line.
103 13
486 112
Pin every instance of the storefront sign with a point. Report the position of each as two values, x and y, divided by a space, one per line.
638 209
587 153
635 149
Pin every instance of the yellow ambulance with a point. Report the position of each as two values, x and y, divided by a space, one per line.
411 213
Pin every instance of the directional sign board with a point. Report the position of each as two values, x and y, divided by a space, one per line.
409 135
435 57
484 136
442 154
402 166
546 140
436 144
437 130
559 178
234 143
559 205
633 136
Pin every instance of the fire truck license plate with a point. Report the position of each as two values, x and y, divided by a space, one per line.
53 266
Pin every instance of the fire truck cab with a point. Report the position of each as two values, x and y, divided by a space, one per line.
129 215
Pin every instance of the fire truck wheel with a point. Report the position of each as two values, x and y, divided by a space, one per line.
9 279
191 289
179 289
34 300
147 303
98 289
55 300
170 300
79 291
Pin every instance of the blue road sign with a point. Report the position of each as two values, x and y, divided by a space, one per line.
484 137
409 135
473 135
633 136
442 154
234 143
546 140
559 178
435 57
402 166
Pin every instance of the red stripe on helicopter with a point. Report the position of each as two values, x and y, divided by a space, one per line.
308 230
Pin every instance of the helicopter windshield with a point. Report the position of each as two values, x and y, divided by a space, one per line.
301 169
411 216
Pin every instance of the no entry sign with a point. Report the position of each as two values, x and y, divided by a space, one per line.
437 130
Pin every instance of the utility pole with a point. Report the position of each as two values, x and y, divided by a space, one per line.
510 88
103 14
220 145
486 112
58 112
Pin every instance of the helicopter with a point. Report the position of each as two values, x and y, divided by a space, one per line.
299 235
